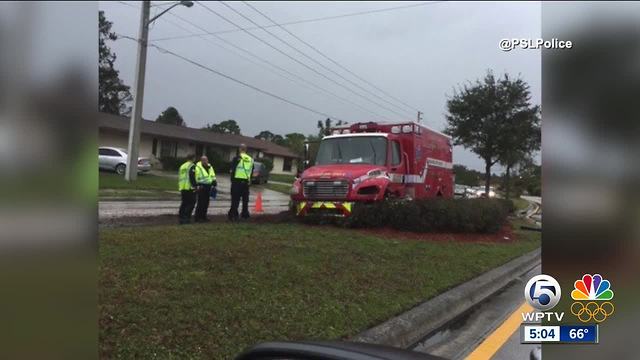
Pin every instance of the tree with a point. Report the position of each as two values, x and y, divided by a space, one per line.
224 127
171 116
314 143
523 134
265 135
324 128
490 116
529 178
465 176
113 95
278 139
295 142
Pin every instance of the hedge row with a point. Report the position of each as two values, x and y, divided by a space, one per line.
433 215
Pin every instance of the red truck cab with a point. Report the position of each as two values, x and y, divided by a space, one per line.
367 162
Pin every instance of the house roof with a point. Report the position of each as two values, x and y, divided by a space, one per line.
121 123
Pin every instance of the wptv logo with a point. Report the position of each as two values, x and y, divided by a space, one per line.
543 293
591 295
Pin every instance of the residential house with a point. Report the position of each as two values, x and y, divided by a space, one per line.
159 141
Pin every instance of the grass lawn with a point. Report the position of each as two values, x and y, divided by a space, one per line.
212 290
282 178
144 182
520 203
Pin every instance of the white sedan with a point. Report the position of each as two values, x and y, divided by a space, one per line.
115 159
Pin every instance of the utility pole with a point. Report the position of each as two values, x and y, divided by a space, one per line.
136 113
419 116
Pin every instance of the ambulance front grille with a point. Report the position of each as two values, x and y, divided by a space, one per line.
325 189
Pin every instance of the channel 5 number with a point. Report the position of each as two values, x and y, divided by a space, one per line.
542 292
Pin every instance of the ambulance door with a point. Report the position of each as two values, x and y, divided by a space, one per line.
397 168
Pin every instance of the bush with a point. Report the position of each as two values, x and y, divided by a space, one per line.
433 215
268 164
171 163
220 166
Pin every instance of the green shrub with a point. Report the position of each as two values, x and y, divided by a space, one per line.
268 164
433 215
171 163
220 165
508 204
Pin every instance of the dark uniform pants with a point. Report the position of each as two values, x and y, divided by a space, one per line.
239 190
203 202
186 206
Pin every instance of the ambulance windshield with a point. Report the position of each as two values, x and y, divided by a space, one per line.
353 150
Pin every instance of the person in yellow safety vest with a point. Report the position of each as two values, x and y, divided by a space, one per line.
205 179
187 185
241 169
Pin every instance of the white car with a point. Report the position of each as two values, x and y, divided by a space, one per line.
115 159
480 192
460 191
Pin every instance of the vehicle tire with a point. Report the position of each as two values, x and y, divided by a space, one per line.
120 169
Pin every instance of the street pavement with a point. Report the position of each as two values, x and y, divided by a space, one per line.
273 202
484 327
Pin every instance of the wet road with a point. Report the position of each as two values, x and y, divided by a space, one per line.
272 202
481 333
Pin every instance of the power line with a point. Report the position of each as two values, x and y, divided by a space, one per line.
328 58
292 58
162 3
308 20
303 80
316 61
195 63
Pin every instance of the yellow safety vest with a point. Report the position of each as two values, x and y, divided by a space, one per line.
243 169
183 176
203 176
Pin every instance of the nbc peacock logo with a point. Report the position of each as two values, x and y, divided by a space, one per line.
592 294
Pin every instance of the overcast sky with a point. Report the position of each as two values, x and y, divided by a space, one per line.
416 54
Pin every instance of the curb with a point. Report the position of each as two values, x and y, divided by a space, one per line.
410 327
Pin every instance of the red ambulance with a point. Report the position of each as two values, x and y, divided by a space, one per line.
367 162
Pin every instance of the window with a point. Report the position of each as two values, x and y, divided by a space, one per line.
396 157
286 165
154 147
169 149
108 152
353 150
